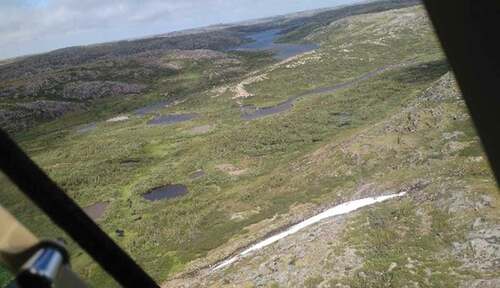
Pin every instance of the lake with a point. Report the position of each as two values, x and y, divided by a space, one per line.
264 41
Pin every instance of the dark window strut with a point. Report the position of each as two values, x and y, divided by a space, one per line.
66 214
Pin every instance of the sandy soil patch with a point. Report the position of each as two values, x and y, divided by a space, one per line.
240 91
201 129
243 215
231 169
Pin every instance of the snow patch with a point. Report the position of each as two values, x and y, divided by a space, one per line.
335 211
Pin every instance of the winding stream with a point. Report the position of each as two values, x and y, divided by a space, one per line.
172 119
256 113
335 211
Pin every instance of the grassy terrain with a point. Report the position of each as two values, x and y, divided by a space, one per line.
5 276
289 159
415 240
427 147
93 161
386 133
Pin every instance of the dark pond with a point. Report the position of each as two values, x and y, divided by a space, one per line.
256 113
96 210
197 174
153 107
130 161
172 119
264 40
86 128
166 192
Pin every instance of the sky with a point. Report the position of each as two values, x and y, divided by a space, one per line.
34 26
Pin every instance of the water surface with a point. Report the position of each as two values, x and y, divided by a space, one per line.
197 174
96 210
172 119
87 128
264 41
153 107
166 192
256 113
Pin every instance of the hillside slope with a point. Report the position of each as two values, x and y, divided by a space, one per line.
444 233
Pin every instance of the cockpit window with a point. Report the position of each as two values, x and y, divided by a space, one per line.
324 148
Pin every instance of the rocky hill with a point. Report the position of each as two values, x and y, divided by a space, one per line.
77 76
444 233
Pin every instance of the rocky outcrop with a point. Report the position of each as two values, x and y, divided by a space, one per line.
85 55
23 115
446 88
198 54
481 250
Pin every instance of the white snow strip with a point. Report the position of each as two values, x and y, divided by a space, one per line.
335 211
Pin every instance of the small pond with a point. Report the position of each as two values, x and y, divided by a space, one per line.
172 119
197 174
256 113
96 210
86 128
153 107
166 192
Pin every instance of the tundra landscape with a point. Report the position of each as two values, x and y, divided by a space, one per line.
193 149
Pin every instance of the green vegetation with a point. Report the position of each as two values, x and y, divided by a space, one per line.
5 276
313 282
398 249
